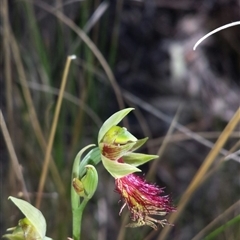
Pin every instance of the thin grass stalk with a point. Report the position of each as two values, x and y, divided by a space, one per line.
96 27
85 92
69 97
202 172
234 207
157 113
213 235
152 171
36 37
7 65
92 47
78 124
115 33
52 133
217 166
31 111
13 156
143 125
178 137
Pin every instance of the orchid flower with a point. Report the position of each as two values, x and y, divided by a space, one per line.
144 200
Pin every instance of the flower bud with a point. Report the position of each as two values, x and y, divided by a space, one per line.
78 187
86 187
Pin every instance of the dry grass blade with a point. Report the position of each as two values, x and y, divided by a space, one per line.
152 171
157 113
70 98
202 171
222 160
31 110
13 156
52 132
231 209
179 137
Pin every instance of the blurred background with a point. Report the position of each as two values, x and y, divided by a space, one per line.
130 53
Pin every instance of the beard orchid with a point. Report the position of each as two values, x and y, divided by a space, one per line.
144 200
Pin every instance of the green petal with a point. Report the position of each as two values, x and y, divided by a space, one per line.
112 121
118 170
137 159
32 214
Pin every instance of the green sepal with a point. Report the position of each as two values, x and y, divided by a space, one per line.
32 214
137 159
112 121
117 169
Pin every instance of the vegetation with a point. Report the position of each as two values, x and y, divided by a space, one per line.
67 66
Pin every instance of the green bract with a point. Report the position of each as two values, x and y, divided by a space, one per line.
116 145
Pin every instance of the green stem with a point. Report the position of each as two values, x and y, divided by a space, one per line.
77 207
77 219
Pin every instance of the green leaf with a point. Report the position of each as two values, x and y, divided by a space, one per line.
32 214
118 170
137 159
112 121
